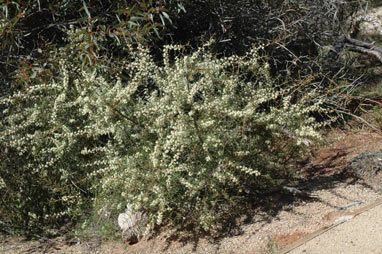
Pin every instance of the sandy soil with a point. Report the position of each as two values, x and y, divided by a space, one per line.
278 221
360 234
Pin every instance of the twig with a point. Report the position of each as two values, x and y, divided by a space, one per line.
197 131
343 207
77 186
121 114
361 119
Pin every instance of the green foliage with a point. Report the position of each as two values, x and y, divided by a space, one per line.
31 30
97 121
43 183
212 128
296 35
44 21
272 246
180 140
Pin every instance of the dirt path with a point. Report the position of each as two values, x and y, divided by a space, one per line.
357 233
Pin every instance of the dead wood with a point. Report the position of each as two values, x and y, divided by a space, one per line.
362 47
354 45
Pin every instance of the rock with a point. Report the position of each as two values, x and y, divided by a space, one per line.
133 224
372 24
367 166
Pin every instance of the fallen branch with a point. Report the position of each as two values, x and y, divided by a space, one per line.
362 47
360 119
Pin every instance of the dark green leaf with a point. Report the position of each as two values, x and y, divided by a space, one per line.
167 16
86 9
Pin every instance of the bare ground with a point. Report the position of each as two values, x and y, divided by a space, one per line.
266 228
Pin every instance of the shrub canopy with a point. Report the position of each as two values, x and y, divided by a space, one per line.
180 140
97 107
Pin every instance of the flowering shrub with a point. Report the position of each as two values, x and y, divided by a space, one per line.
210 128
180 141
44 178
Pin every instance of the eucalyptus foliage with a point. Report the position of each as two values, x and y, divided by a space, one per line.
31 30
